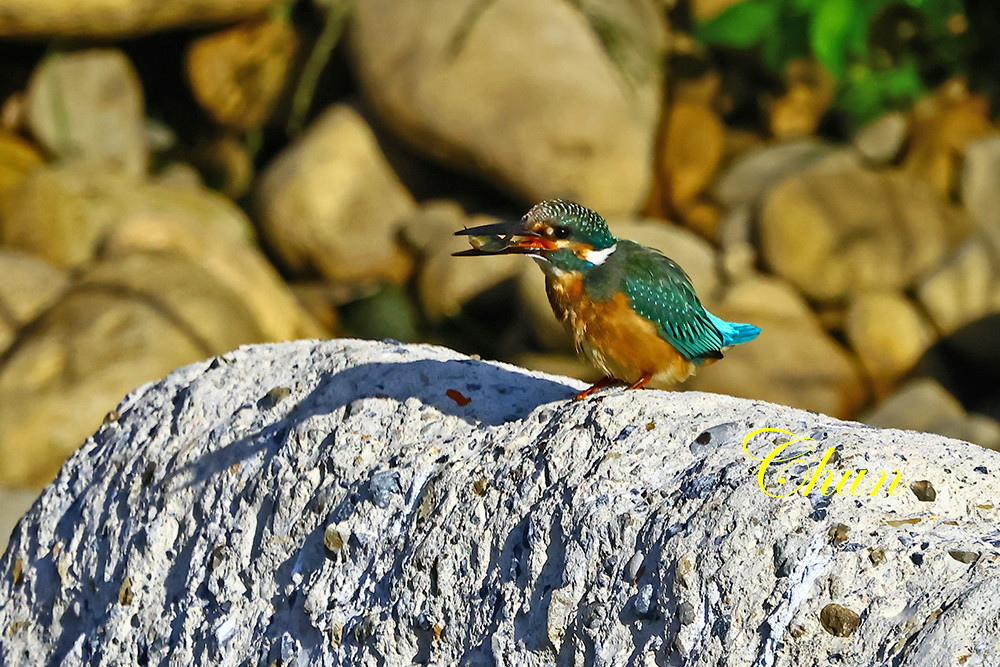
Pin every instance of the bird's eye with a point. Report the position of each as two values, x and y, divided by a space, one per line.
561 232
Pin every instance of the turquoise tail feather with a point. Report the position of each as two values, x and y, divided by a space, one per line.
734 333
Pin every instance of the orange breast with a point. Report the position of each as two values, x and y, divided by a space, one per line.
612 336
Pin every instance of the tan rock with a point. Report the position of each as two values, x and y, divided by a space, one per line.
758 169
239 267
330 203
89 105
694 138
71 215
966 286
809 89
793 361
545 97
29 285
238 74
888 334
119 18
126 322
882 140
835 232
924 405
980 175
944 124
17 158
64 213
447 283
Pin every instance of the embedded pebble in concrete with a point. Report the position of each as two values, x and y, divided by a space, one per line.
329 503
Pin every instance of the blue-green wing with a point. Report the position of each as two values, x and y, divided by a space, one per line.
660 291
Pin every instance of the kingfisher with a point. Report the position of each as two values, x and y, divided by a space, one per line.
631 310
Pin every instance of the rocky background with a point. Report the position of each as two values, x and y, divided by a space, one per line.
178 179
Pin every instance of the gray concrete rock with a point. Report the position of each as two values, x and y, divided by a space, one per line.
376 504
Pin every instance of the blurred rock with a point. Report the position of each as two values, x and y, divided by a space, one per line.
924 405
128 321
89 105
239 266
72 215
881 141
29 285
320 300
547 98
238 74
17 158
13 504
388 313
693 141
225 163
330 203
809 89
119 18
981 182
446 283
64 213
793 361
966 286
944 124
695 255
736 243
888 334
754 173
836 232
179 175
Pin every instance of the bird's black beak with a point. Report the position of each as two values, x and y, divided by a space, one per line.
503 238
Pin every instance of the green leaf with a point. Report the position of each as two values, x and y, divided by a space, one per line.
866 93
834 26
741 25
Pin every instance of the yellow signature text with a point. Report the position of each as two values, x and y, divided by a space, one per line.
830 485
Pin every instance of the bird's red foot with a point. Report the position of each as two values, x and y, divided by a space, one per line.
641 382
600 384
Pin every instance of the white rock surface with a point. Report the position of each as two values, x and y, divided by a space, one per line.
328 503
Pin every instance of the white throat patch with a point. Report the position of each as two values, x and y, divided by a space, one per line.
598 257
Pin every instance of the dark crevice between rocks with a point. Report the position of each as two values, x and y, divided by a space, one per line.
967 364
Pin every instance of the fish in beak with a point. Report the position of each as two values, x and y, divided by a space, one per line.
503 238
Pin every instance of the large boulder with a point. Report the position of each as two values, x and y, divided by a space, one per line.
366 503
545 97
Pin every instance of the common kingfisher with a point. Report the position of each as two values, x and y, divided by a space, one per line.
631 310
